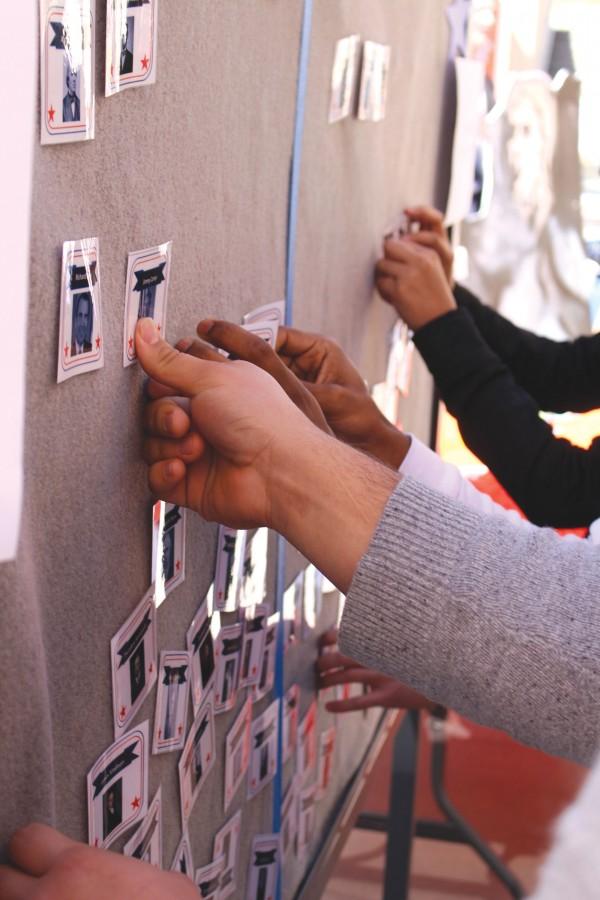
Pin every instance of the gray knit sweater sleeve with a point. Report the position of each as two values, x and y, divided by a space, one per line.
498 622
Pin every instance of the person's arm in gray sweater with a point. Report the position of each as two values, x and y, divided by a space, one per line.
500 624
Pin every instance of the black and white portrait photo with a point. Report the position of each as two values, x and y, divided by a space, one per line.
147 302
137 672
71 101
228 679
168 556
126 60
82 323
112 805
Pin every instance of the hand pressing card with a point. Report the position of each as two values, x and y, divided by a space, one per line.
197 758
343 77
263 749
182 858
307 742
117 788
133 656
264 867
290 721
290 809
168 548
227 843
237 753
253 644
146 292
67 39
146 843
131 29
306 818
80 340
325 768
231 547
200 639
253 587
208 879
170 718
227 658
267 667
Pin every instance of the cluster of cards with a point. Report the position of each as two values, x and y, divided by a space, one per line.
67 51
372 90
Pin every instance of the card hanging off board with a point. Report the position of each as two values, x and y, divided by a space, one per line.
80 340
131 36
67 38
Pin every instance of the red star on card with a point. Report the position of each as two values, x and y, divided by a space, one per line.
130 342
51 113
66 350
159 733
180 729
151 668
98 341
135 803
145 62
178 565
122 712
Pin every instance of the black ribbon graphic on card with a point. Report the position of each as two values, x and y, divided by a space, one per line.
256 624
200 635
229 549
60 32
119 763
292 702
201 729
177 671
82 276
231 645
248 567
145 278
131 4
172 517
265 857
131 645
263 736
209 887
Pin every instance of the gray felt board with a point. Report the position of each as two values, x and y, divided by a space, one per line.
201 158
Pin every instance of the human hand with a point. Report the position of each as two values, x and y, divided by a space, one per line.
244 432
411 278
334 668
432 234
47 864
318 359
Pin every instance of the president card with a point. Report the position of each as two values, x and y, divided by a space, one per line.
306 818
343 77
133 654
290 808
197 758
325 767
168 548
200 639
208 879
227 660
263 749
80 338
146 292
290 721
264 867
307 742
253 587
372 96
293 611
253 644
237 753
131 30
170 718
227 843
146 843
267 666
231 547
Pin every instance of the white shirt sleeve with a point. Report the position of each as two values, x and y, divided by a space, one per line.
425 466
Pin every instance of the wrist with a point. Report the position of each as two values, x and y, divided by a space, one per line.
391 446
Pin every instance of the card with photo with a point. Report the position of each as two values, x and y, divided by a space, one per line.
343 78
293 611
306 818
325 767
131 32
291 705
372 96
264 867
133 655
269 312
80 338
208 879
253 644
146 292
253 586
200 640
117 788
306 756
67 39
146 843
227 660
231 549
313 600
237 753
290 808
197 758
182 858
227 843
267 666
263 749
170 717
168 548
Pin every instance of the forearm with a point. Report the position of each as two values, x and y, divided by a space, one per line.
327 501
499 623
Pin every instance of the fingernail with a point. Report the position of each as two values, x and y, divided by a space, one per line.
189 444
147 331
184 344
171 470
206 325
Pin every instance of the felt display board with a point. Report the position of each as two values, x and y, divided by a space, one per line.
201 158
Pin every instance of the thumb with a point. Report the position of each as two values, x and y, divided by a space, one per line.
180 371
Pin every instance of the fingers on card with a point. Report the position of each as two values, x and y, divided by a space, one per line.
201 640
227 659
227 843
343 77
146 293
170 718
231 549
264 867
67 34
80 341
131 31
117 787
133 654
197 758
146 843
237 752
182 858
263 749
168 548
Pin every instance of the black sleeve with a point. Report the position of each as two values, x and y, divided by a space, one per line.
561 376
552 481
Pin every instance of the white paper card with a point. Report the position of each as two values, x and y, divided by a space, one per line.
131 29
80 338
200 639
253 586
307 742
197 758
231 547
133 654
237 753
263 749
373 81
267 667
227 658
208 879
264 867
170 717
146 843
226 843
182 858
146 293
343 77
